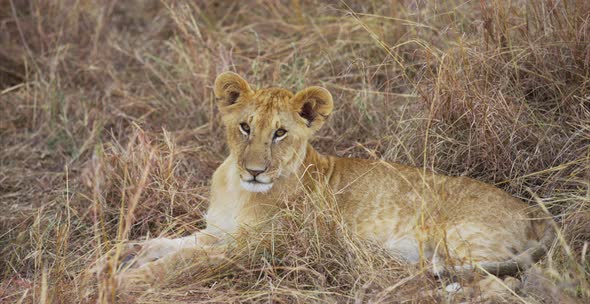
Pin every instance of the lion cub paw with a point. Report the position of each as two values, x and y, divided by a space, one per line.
137 255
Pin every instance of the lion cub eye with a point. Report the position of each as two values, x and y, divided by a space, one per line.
280 134
245 128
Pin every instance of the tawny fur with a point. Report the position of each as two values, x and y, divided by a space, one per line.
418 215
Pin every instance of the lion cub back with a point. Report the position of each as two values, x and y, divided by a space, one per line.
414 211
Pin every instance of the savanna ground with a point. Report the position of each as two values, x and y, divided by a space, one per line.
109 133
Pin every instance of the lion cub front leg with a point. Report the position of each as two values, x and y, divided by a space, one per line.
164 259
137 255
170 267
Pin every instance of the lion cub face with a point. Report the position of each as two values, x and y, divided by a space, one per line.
267 130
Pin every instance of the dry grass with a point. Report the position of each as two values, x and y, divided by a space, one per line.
108 132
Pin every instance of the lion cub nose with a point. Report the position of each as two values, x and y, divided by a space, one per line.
255 172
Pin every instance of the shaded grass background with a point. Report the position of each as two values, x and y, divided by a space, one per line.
96 95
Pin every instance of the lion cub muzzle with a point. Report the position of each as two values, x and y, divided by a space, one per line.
254 177
254 164
256 184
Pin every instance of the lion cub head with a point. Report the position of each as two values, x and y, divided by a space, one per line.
268 129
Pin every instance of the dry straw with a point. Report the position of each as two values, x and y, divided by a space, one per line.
109 133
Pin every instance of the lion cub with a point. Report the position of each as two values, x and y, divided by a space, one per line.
454 222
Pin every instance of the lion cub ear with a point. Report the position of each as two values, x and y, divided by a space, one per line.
313 104
229 86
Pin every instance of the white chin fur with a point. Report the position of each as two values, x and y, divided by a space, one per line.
255 187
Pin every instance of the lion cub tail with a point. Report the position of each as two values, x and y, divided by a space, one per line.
542 238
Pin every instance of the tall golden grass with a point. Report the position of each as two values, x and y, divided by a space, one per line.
109 133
